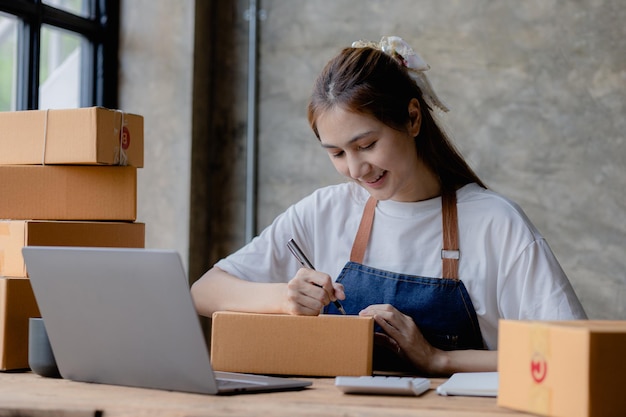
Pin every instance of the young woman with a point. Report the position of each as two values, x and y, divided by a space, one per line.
414 239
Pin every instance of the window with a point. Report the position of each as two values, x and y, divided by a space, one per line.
8 61
58 53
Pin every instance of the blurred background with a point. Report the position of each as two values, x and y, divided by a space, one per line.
537 92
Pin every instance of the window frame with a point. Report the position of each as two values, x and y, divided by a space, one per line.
100 28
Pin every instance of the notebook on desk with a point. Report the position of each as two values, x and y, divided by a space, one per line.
126 317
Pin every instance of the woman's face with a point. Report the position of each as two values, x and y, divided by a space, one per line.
382 160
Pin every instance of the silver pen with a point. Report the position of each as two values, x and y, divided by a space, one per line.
297 252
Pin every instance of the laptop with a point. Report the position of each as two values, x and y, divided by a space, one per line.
126 317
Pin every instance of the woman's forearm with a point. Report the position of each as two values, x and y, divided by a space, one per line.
219 291
449 362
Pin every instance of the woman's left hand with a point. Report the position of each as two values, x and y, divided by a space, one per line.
403 330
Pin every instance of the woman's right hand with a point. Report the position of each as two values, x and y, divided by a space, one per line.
309 291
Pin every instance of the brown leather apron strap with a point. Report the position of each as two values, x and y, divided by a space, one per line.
363 234
450 253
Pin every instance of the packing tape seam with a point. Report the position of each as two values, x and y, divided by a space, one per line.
540 395
120 156
25 243
45 138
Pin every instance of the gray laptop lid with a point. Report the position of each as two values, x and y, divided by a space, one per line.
124 317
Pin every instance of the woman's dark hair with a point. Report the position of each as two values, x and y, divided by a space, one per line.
368 81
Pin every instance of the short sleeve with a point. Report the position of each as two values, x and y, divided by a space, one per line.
536 288
264 259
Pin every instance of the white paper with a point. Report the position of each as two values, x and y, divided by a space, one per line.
471 384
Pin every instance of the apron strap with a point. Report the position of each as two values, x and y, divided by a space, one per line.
450 253
363 234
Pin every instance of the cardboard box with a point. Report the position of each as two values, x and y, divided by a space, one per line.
87 136
15 234
17 305
563 369
325 345
57 192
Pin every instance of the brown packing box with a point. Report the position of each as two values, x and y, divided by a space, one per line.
325 345
87 136
15 234
564 369
57 192
17 305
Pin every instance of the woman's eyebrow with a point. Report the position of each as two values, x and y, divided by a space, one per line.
354 139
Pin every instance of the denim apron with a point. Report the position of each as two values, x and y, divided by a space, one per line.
440 307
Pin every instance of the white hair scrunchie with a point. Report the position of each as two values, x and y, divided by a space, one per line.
398 49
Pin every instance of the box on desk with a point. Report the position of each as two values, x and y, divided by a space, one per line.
325 345
86 136
562 369
15 234
61 192
17 305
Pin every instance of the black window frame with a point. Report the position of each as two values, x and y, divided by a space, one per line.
99 76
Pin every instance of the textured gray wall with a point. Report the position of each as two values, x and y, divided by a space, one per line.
537 91
156 68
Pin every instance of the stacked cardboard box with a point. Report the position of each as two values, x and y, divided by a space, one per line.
67 178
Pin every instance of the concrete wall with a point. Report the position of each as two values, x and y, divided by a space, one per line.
156 70
537 91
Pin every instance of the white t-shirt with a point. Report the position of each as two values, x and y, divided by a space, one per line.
506 265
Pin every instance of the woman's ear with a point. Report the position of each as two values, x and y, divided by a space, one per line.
415 118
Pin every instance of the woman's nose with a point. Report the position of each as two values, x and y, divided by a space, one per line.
357 167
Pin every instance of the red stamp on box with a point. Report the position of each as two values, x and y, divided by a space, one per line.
538 368
125 140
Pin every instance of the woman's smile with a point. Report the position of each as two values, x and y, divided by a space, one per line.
381 159
376 181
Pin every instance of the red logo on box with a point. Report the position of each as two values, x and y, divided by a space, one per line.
538 368
125 138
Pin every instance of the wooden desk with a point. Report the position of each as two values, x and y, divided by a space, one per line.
45 397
